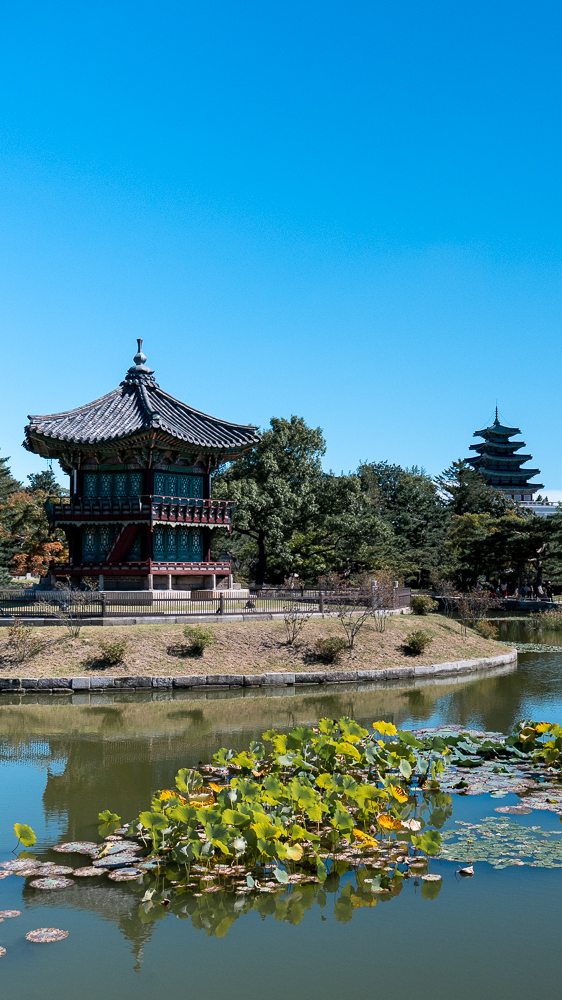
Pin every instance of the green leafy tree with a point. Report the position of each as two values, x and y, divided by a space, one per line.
409 501
275 488
344 535
509 548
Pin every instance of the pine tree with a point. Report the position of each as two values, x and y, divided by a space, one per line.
8 544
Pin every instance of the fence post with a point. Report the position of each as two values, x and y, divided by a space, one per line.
321 602
221 604
103 606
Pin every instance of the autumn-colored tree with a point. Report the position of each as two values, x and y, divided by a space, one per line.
23 520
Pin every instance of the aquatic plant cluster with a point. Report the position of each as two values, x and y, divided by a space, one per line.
297 802
315 793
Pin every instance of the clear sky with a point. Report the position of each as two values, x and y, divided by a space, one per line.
345 210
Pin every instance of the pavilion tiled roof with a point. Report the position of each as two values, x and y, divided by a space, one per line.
136 407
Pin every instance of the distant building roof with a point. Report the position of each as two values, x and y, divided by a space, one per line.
138 407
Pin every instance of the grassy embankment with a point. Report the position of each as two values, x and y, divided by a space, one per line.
240 647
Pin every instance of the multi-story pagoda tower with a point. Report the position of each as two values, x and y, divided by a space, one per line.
499 464
140 512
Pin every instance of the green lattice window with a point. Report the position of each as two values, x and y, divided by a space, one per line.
171 484
112 484
177 544
96 542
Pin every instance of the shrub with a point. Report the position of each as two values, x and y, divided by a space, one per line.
546 619
198 639
21 641
329 650
113 650
417 642
295 617
487 629
422 604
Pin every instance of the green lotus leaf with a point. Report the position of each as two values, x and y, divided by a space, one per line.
153 821
187 780
405 769
234 818
108 817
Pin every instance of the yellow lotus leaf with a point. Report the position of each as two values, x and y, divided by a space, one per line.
364 838
216 788
543 727
386 728
348 750
294 852
388 822
528 734
167 794
398 793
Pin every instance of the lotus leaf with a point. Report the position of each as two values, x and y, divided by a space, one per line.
25 834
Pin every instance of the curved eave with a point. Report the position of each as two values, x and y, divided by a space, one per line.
510 474
498 429
508 446
52 447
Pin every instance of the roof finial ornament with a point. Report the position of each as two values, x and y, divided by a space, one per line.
140 373
497 419
139 357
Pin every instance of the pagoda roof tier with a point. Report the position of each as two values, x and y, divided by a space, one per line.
486 457
498 430
519 474
499 447
138 411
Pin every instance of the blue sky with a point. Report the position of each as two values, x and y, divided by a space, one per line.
348 211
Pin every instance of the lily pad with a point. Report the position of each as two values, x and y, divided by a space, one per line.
51 883
77 847
5 914
2 952
14 866
46 935
89 872
432 878
116 861
125 874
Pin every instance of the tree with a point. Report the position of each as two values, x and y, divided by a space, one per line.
8 545
464 492
45 482
409 501
509 547
24 521
344 533
274 487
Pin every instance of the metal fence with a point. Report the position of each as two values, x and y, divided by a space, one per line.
64 604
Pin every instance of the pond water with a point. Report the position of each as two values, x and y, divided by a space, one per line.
496 935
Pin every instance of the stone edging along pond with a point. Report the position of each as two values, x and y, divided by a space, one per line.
62 685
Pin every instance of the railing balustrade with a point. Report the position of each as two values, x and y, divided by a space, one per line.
173 603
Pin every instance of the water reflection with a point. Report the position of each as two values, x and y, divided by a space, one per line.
77 756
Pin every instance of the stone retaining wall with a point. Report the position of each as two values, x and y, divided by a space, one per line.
64 685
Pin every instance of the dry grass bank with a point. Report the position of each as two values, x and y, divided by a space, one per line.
241 647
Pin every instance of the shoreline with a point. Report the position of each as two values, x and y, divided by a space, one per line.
129 683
